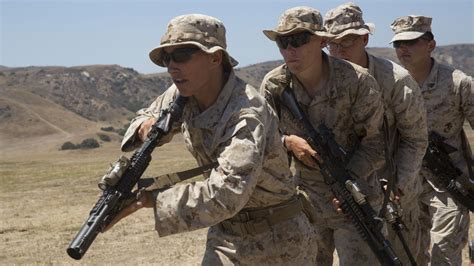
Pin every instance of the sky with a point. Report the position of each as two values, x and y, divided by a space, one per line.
76 33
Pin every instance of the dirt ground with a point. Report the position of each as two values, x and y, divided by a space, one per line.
46 194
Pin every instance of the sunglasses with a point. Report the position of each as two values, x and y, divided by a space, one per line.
397 44
295 40
345 43
179 55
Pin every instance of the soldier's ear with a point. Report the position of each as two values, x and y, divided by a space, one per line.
431 45
216 58
365 39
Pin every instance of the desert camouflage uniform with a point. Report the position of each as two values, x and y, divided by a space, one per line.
240 132
406 119
448 96
350 105
449 101
406 136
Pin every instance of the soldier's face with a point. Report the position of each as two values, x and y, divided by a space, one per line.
412 52
350 48
300 58
192 75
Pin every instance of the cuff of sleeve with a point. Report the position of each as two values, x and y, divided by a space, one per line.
283 140
130 140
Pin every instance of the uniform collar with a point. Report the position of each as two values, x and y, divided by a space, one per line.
432 79
211 116
371 63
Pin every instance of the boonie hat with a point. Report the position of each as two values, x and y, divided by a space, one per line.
347 19
410 27
205 32
298 19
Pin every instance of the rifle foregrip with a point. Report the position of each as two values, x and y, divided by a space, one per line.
108 205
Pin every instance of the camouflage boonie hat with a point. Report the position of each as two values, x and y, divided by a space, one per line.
205 32
347 19
298 19
410 27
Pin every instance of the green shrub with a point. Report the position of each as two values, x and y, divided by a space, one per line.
68 146
103 137
89 144
108 129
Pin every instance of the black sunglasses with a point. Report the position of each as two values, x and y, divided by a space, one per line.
295 40
179 55
397 44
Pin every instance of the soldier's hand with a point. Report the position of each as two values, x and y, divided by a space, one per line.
145 200
145 127
395 195
337 205
302 150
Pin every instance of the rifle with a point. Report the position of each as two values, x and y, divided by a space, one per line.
344 187
471 251
438 161
118 183
391 209
394 218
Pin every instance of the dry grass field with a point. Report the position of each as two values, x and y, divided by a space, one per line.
46 194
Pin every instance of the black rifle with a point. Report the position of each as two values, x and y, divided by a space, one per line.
438 161
391 209
116 196
344 187
471 250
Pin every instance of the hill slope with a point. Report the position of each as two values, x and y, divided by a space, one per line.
70 101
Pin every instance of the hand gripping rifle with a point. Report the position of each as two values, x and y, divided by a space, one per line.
344 187
119 182
438 161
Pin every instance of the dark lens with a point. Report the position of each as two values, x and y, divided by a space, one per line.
183 55
397 44
296 40
179 55
166 58
282 42
300 39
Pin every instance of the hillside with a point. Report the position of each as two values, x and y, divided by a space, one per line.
69 101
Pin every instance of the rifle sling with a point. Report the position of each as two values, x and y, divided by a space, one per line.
168 180
466 151
392 172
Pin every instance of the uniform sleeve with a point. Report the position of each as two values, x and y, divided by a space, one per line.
467 98
410 116
131 141
226 191
367 111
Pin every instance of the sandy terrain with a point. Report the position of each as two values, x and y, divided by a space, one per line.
46 195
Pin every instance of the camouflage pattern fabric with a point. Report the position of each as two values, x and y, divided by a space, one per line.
347 19
351 106
410 27
297 19
205 32
406 139
449 101
406 117
240 132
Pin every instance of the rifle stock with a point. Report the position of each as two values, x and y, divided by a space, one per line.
115 197
343 186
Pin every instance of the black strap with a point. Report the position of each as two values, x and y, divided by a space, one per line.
392 171
467 155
